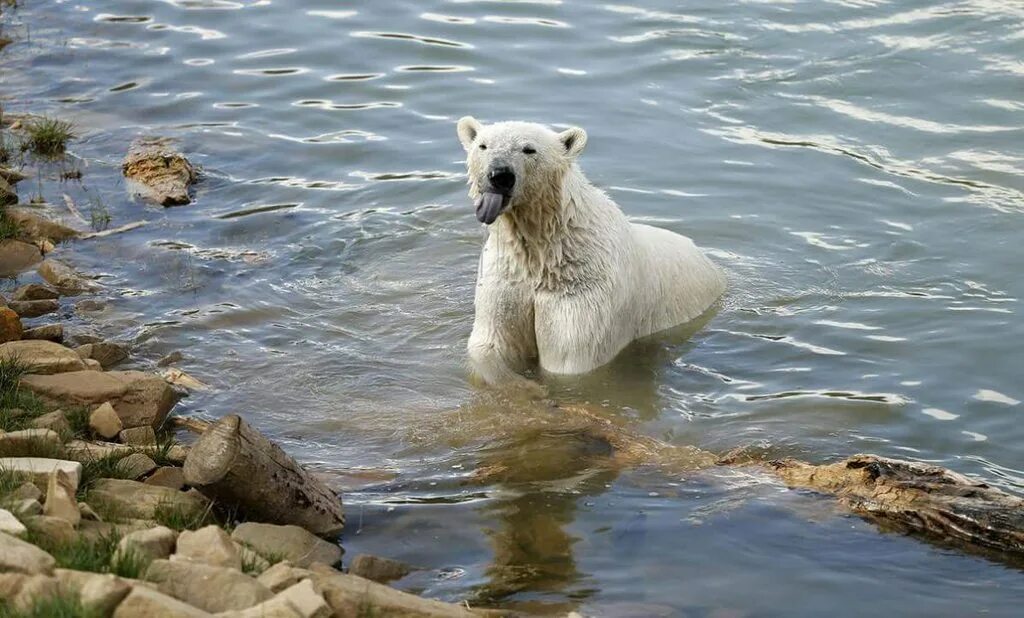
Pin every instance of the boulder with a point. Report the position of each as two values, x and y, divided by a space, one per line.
93 365
34 589
351 595
98 592
21 557
107 353
56 529
9 524
63 277
380 570
33 308
159 173
60 499
304 597
10 325
34 226
139 398
26 491
144 602
88 513
210 545
153 544
17 256
214 589
37 469
138 436
56 421
41 357
287 542
47 332
137 465
283 575
35 291
167 476
29 442
26 507
277 607
135 499
104 421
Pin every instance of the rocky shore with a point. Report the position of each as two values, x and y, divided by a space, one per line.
103 511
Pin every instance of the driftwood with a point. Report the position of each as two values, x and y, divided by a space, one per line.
234 463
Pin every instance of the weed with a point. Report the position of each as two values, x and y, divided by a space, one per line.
61 606
99 215
179 518
47 137
98 555
9 481
8 228
17 405
107 467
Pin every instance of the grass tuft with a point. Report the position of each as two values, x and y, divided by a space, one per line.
17 406
47 137
63 606
9 481
178 518
8 228
96 555
108 467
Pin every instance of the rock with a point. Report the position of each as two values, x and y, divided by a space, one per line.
10 585
97 530
167 476
90 305
38 469
214 589
56 421
9 524
137 465
26 507
80 450
34 226
12 177
178 377
47 332
82 338
57 529
7 194
160 173
29 442
380 570
35 291
106 352
88 513
10 325
307 600
26 491
144 602
93 365
283 575
60 499
35 589
277 607
287 542
170 359
63 277
139 398
351 595
98 592
104 421
33 308
210 545
21 557
153 544
138 436
17 256
135 499
42 357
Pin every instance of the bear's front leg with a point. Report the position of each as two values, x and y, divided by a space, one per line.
577 333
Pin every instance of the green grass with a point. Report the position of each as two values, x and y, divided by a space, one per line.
9 481
108 467
178 518
99 215
78 423
95 555
8 228
161 454
63 606
47 137
13 397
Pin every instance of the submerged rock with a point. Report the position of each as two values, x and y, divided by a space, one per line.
34 226
17 256
64 277
35 291
47 332
33 308
160 173
380 570
291 543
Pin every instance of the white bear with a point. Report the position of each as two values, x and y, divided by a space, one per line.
564 278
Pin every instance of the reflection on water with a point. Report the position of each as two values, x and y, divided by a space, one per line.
855 166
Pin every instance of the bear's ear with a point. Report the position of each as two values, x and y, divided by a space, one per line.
468 128
573 140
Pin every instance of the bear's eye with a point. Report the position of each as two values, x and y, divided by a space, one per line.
529 150
483 146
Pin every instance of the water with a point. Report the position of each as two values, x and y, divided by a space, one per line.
856 166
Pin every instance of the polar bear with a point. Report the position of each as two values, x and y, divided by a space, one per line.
564 278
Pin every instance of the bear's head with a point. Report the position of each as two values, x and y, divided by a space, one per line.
515 163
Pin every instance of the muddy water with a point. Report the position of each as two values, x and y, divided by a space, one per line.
857 167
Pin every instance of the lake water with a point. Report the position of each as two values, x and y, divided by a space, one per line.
857 166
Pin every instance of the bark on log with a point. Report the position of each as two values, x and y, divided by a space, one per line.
234 463
917 497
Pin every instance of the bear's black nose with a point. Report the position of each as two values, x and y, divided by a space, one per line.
503 179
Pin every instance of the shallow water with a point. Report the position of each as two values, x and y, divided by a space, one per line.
856 166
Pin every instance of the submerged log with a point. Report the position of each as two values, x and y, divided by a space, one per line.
234 463
916 497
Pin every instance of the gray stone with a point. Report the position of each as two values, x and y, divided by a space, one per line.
137 465
209 545
287 542
135 499
9 524
41 357
283 575
306 599
277 607
35 291
144 602
21 557
138 436
107 353
60 499
139 398
214 589
153 544
98 592
47 332
167 476
380 570
33 308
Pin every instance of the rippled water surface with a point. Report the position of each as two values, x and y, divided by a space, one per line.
856 165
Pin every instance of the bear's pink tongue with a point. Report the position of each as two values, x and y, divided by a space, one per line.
488 207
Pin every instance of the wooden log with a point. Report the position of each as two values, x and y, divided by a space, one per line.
917 497
233 463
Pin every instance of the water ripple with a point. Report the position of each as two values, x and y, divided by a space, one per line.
425 40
